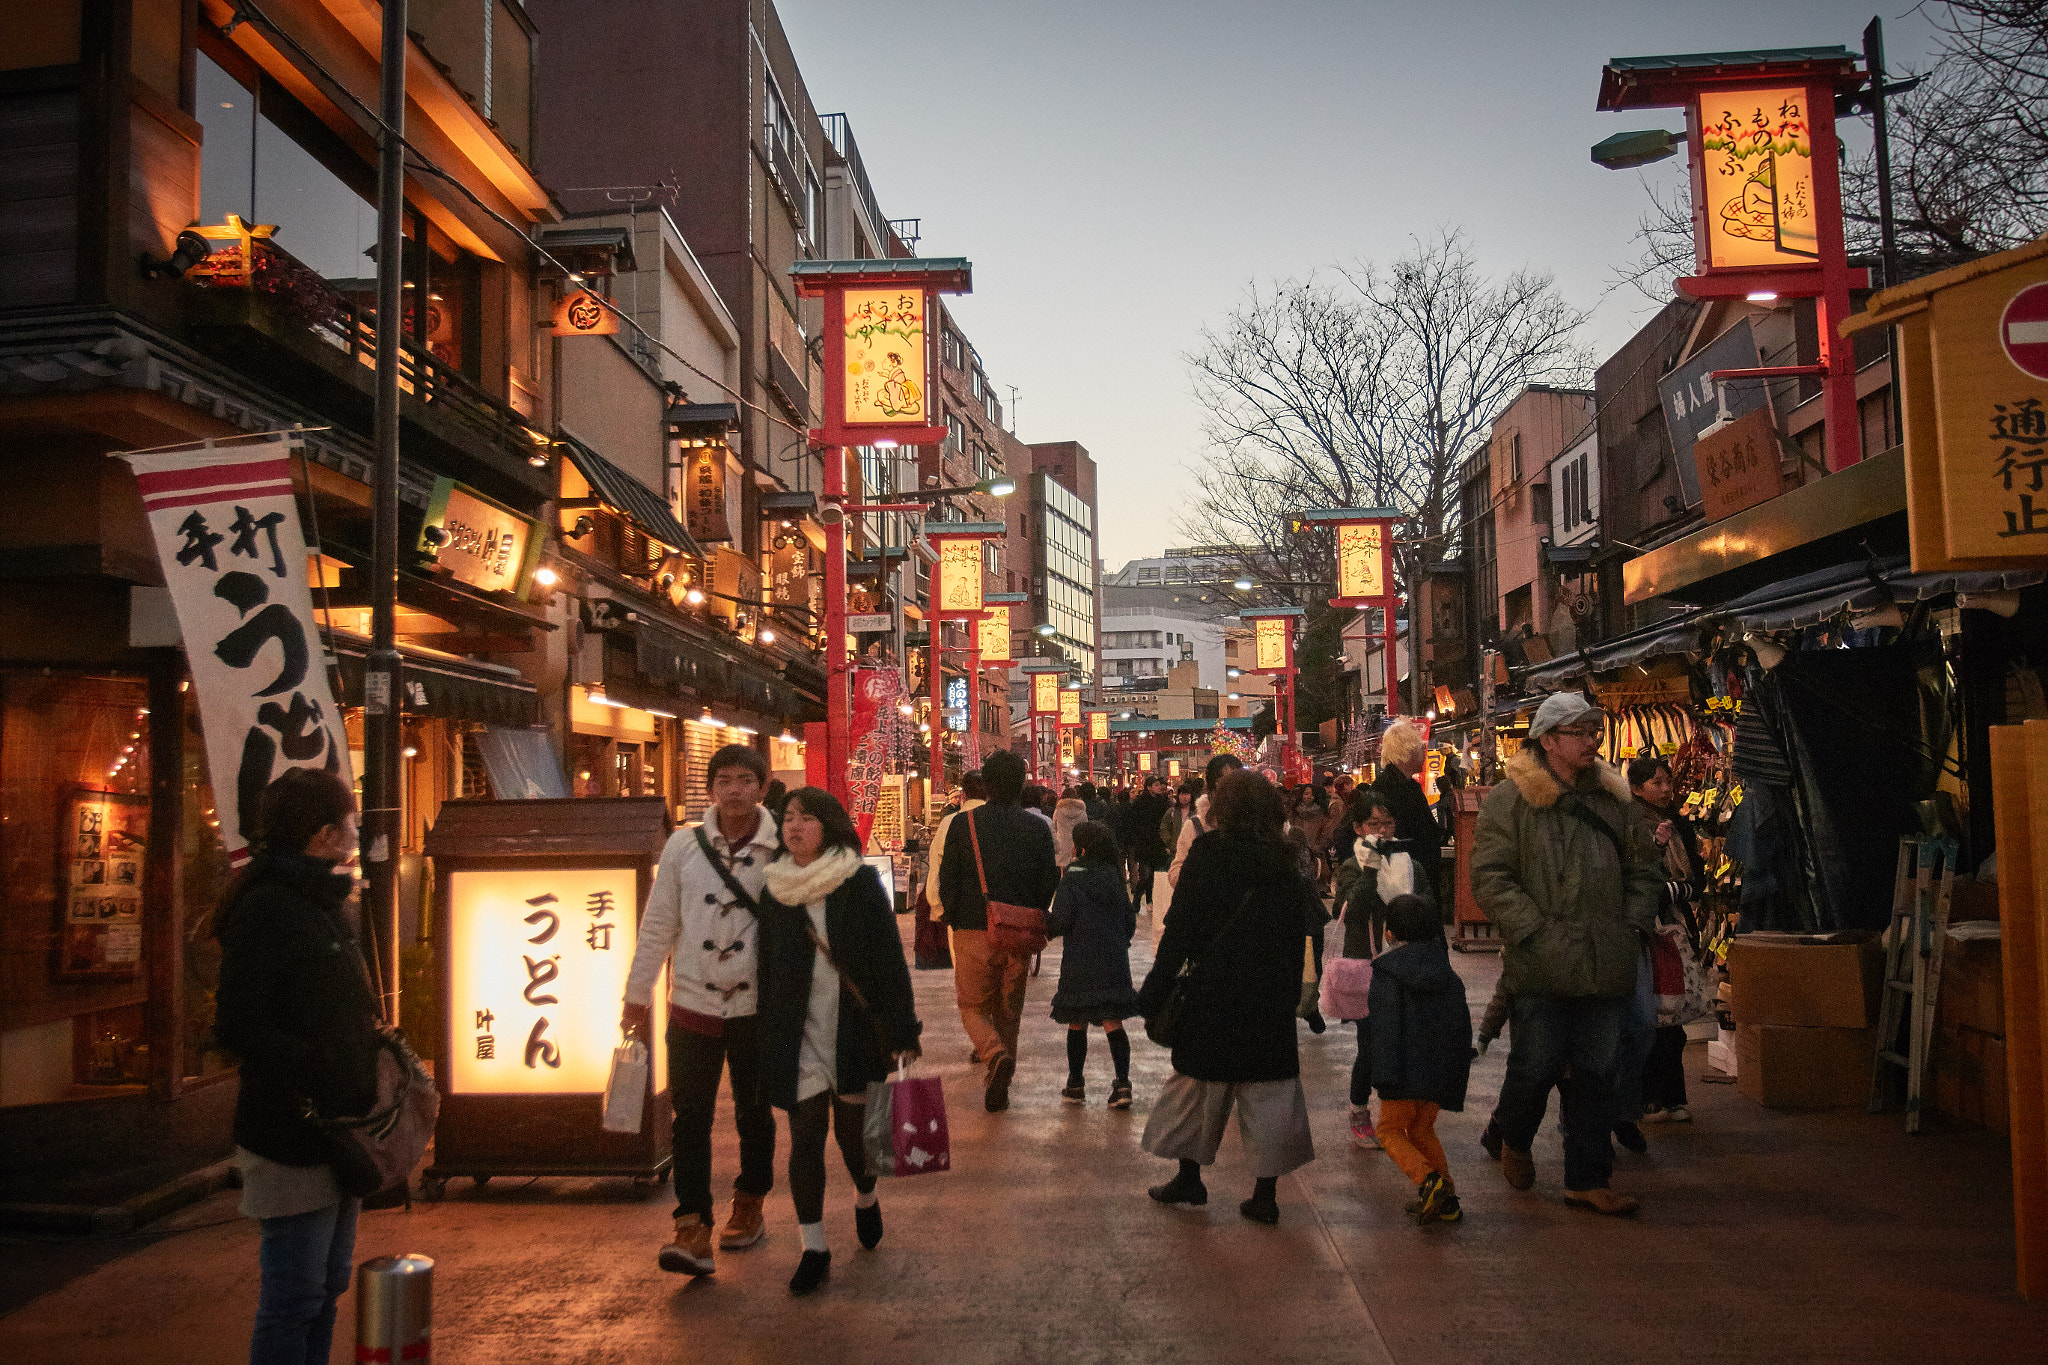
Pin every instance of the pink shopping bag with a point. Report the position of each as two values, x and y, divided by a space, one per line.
905 1129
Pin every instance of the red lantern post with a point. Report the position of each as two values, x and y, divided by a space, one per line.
878 362
1273 653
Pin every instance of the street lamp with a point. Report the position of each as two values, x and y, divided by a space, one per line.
1046 629
1626 151
1244 583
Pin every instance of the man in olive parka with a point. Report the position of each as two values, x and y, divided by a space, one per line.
1571 887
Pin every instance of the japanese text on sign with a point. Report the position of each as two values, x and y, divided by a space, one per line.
1045 694
959 588
227 536
1070 708
885 374
1098 726
1757 173
1361 559
1271 636
993 633
538 962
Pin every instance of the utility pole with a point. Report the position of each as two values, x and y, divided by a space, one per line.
1888 235
382 695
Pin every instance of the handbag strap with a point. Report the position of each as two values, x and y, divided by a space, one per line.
732 883
1583 813
825 951
975 836
1219 935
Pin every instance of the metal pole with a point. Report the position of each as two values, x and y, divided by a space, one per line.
1387 651
937 680
1887 230
381 681
838 704
395 1309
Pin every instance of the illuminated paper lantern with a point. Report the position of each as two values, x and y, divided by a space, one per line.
1756 164
1145 757
1045 694
993 633
958 592
1070 708
885 357
1098 726
1272 636
1362 559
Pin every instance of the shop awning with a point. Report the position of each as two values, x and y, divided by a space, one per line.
617 489
442 689
1816 598
1673 636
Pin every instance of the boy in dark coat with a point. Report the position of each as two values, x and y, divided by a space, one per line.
1421 1052
1092 911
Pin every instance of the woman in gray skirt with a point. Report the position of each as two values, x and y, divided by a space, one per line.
1239 915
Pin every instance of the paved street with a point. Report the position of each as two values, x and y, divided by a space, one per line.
1765 1236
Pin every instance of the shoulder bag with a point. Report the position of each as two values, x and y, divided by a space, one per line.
732 883
378 1150
1013 930
1165 1025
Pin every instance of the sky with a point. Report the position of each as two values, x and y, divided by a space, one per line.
1121 172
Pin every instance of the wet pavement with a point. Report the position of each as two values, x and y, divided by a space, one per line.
1825 1237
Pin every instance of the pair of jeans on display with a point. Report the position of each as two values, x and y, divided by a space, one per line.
1574 1044
306 1259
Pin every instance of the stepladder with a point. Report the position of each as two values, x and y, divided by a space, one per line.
1921 893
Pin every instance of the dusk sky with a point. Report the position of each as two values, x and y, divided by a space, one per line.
1119 173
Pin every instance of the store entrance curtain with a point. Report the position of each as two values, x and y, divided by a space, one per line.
227 536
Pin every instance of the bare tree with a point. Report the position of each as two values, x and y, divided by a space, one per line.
1367 387
1969 154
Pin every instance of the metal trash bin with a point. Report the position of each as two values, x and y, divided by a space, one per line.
395 1309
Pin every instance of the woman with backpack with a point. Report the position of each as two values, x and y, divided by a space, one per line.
1239 913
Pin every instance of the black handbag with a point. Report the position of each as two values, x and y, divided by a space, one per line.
377 1151
1165 1024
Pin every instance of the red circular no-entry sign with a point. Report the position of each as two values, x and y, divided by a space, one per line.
2023 330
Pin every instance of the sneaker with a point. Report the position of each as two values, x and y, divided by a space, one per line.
1630 1136
743 1226
1490 1139
690 1252
1431 1194
1362 1134
1678 1113
810 1272
1448 1210
1120 1095
1602 1201
1259 1210
1075 1093
1001 1067
1519 1168
867 1224
1178 1191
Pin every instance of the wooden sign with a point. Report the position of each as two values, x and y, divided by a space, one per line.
1739 465
704 492
583 314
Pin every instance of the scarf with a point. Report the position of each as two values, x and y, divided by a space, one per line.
1395 871
793 885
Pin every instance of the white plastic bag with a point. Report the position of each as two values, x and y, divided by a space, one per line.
625 1094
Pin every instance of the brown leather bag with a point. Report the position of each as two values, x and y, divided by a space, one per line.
1013 930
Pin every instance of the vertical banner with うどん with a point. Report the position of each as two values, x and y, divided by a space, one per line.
227 535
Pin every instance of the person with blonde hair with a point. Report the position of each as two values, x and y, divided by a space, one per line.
1403 751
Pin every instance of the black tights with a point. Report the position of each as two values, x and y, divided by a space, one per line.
807 1151
1077 1052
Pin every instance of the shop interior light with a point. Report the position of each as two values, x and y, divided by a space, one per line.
410 752
743 729
665 715
708 719
598 698
905 707
765 636
695 597
786 737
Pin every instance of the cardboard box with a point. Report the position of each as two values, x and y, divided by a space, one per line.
1805 982
1972 983
1785 1067
1968 1080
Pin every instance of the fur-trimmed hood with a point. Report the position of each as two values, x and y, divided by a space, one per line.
1539 785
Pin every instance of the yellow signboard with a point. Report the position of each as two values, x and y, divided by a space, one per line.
1066 746
885 374
1144 760
1098 726
1045 694
1756 174
993 633
537 968
1271 636
1989 339
1070 708
1361 559
1173 768
480 543
959 575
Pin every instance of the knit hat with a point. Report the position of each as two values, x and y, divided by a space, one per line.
1561 708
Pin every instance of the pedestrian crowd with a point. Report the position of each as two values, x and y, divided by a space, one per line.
787 981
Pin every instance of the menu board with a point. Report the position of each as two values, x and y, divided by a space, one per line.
103 837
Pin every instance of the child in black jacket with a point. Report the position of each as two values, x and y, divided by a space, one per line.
1421 1052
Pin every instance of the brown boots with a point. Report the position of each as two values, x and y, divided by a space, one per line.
743 1226
690 1252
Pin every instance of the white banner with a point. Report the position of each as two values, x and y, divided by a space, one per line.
227 536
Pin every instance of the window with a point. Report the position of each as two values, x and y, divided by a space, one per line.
1514 457
815 194
778 130
949 348
1539 505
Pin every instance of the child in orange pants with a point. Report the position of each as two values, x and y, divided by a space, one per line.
1422 1052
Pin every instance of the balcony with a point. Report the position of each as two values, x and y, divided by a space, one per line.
278 321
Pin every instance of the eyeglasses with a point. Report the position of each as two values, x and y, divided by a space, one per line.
1578 732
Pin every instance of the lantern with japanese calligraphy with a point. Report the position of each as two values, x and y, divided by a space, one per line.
1145 760
1045 694
537 910
878 362
1273 645
1098 726
1070 709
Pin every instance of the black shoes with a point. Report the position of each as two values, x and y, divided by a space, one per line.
867 1225
1490 1139
810 1272
1630 1136
1120 1095
1001 1067
1075 1093
1180 1191
1315 1021
1259 1210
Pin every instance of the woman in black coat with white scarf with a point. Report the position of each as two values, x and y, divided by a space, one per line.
1240 913
833 1021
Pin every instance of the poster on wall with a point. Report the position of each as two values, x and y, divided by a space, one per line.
227 537
102 838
